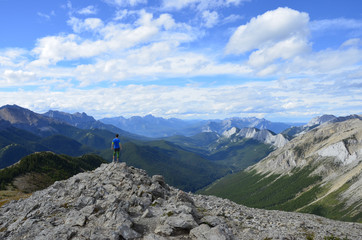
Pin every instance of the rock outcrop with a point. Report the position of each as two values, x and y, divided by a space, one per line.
318 121
340 143
120 202
263 135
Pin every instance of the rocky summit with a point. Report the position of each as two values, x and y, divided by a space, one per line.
116 201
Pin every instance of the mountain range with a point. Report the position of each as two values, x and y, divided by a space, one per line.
219 148
315 122
319 171
264 135
24 132
157 127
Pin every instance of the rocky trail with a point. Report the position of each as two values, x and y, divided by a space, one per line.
116 201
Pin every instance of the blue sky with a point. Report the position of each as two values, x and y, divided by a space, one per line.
283 60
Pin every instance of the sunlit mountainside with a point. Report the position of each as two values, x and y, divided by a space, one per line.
231 158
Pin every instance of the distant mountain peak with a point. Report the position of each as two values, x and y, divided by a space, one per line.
321 120
150 116
261 135
68 117
11 106
19 115
327 140
316 122
230 132
84 121
313 170
14 107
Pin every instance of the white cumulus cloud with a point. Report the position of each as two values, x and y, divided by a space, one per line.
113 41
13 57
285 49
88 10
210 18
281 33
17 78
285 98
88 24
201 5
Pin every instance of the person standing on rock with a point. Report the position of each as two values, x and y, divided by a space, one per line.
116 147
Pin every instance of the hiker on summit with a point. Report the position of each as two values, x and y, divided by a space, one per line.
116 147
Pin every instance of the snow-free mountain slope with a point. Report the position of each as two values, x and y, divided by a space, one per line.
263 135
220 126
39 170
341 141
83 121
315 122
115 201
317 172
28 120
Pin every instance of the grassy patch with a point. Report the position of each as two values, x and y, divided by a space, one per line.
10 195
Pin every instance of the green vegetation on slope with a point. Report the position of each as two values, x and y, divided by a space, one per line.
264 191
182 169
190 165
51 166
333 206
64 145
240 155
198 143
17 143
11 135
11 153
288 193
236 155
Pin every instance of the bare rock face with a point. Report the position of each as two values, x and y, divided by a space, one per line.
120 202
263 135
339 142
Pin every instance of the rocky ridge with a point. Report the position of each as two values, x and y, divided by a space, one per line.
263 135
333 150
115 201
318 121
340 142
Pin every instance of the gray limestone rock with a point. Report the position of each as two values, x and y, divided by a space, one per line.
128 233
204 232
119 202
75 218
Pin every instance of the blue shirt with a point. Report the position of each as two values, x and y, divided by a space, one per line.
116 142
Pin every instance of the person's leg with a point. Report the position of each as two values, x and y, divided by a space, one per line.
115 152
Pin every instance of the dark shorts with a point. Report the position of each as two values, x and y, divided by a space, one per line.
116 150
